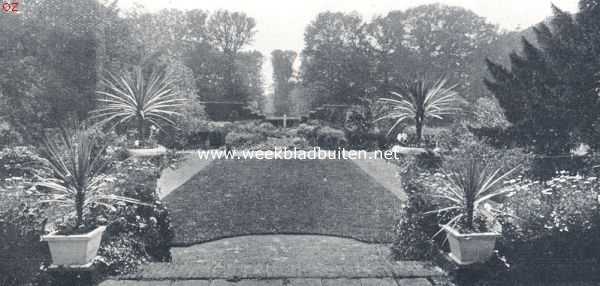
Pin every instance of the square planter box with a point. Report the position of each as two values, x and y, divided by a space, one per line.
74 250
466 249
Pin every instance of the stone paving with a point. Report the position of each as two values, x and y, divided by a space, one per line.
283 260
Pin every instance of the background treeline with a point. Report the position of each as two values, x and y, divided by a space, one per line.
51 59
348 60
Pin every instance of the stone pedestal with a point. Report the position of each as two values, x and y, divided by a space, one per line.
84 275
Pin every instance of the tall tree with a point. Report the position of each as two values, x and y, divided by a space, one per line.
433 41
391 58
229 32
283 70
56 56
335 59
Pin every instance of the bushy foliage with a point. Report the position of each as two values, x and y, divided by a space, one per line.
360 132
242 139
558 218
308 131
415 230
550 235
137 233
23 162
22 254
331 138
286 142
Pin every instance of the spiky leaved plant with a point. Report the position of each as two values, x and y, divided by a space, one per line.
419 102
467 191
79 168
140 98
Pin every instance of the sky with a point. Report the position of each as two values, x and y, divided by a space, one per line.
281 23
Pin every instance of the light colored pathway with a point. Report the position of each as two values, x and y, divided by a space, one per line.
283 260
172 179
387 174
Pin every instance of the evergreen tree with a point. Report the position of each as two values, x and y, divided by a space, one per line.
548 93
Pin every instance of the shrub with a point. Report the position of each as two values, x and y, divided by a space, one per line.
22 254
415 231
499 157
330 138
286 142
554 221
21 161
308 131
551 235
9 136
217 131
138 233
264 129
191 129
243 139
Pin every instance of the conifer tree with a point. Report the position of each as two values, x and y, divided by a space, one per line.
548 92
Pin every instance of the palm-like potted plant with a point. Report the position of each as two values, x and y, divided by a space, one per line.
148 101
419 102
467 200
78 183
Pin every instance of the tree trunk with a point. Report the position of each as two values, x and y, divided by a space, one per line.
79 201
140 130
469 218
419 130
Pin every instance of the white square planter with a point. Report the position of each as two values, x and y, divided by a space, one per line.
466 249
74 250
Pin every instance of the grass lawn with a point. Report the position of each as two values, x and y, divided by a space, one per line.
241 197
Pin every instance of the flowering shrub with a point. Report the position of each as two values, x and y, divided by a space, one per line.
555 208
552 228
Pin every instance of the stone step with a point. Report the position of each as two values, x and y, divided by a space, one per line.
278 282
281 260
196 271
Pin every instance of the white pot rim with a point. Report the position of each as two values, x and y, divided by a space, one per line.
456 233
54 237
157 148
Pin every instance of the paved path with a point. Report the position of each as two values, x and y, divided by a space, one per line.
386 174
283 260
171 179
